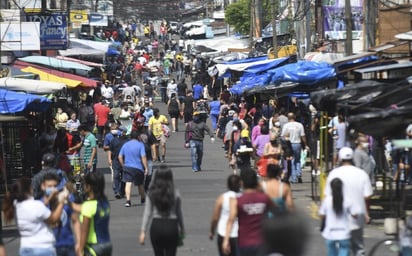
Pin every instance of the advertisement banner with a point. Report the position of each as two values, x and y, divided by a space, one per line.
334 19
97 19
79 17
24 36
105 7
10 14
53 29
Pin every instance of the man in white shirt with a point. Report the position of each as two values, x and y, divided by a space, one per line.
297 137
107 91
356 187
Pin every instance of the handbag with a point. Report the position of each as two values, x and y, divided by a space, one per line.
180 241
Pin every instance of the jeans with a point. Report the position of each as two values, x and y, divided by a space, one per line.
65 250
196 148
51 251
358 247
214 118
296 169
338 247
117 176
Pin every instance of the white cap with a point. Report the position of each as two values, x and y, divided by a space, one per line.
345 153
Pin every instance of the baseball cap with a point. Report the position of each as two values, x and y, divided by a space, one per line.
345 153
231 112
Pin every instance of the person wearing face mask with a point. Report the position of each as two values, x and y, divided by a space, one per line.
256 129
361 157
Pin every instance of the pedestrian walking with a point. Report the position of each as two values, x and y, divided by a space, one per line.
156 127
164 213
335 212
118 140
279 192
173 107
95 217
296 134
251 208
132 158
194 135
357 187
221 216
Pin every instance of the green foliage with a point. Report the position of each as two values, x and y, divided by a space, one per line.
238 16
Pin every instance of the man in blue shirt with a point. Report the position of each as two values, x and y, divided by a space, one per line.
132 158
197 91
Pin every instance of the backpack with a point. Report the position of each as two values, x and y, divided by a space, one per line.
90 115
173 107
201 107
115 146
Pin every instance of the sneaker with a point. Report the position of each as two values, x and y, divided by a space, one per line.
128 204
143 200
300 179
118 196
163 159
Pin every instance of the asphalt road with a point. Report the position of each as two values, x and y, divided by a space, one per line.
199 191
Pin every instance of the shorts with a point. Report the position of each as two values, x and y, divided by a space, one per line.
188 117
174 114
161 139
135 175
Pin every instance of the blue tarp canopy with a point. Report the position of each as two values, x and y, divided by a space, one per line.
251 65
14 102
248 60
302 72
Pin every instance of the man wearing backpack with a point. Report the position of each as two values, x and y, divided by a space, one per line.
119 138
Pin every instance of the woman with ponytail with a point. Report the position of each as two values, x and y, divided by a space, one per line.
34 220
335 212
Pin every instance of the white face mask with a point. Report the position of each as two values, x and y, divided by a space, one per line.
114 132
234 128
365 144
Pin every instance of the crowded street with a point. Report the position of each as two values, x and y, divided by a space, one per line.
199 192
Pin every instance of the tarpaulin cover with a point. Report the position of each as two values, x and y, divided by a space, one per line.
256 66
302 72
14 102
266 66
356 62
248 60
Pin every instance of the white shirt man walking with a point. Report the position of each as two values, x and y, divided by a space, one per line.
357 187
297 137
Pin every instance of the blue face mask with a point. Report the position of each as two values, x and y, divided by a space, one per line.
49 191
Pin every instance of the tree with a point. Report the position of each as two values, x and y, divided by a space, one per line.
238 16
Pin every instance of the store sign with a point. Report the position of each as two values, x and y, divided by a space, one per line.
53 29
97 19
24 36
105 7
79 16
10 14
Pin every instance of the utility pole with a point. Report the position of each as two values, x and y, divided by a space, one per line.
274 32
43 11
348 16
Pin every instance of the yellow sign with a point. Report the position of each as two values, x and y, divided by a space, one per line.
79 16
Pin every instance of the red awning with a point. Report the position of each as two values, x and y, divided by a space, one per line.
86 82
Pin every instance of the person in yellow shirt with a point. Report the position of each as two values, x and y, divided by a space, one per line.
158 127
